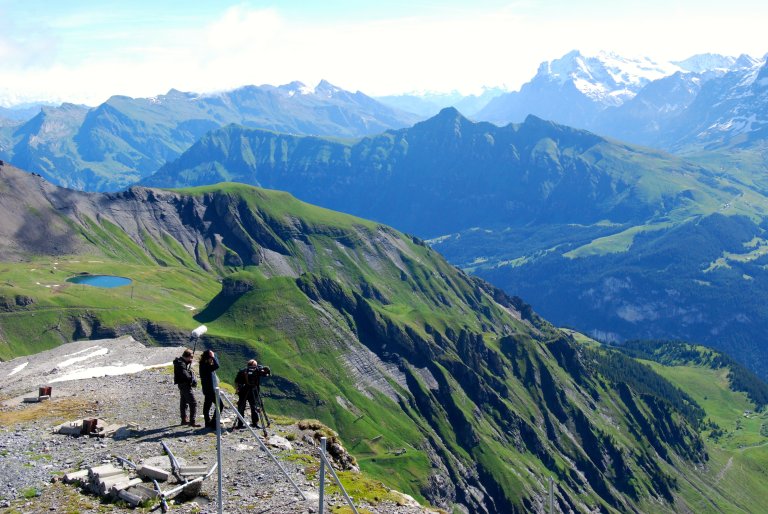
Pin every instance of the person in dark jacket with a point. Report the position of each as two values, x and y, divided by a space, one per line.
247 383
184 377
209 363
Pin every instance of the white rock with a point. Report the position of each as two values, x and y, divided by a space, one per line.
280 442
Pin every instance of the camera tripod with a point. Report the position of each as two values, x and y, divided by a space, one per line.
261 412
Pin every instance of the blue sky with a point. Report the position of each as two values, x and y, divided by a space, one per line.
85 51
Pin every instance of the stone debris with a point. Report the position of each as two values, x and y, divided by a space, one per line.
94 428
193 471
153 473
105 471
113 483
75 476
110 482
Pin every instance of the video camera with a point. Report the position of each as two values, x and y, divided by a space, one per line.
253 374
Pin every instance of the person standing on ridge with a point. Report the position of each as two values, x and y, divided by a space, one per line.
209 363
247 383
184 377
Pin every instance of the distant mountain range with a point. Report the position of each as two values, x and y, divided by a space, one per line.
20 113
616 240
125 139
574 89
448 173
427 103
705 102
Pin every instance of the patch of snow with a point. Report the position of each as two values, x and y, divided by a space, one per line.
190 307
18 368
735 126
82 351
439 239
96 353
103 371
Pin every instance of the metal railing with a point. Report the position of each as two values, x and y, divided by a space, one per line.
324 462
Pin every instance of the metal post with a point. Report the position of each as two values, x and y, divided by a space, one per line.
163 502
174 463
551 496
218 444
175 490
323 441
338 482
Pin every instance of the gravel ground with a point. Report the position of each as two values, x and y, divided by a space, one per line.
34 458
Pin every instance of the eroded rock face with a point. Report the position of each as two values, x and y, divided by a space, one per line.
17 302
232 287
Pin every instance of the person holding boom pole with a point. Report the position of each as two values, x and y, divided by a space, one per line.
184 377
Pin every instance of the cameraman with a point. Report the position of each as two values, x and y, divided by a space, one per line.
247 384
184 377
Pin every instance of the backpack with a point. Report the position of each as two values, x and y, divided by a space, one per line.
180 371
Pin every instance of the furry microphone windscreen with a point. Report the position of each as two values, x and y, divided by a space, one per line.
202 329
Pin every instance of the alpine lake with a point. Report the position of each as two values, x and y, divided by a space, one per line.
105 281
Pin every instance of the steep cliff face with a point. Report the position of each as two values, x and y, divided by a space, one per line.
452 390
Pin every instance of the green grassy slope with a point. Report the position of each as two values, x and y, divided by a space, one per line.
736 424
643 238
439 383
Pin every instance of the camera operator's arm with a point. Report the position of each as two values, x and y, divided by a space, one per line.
239 380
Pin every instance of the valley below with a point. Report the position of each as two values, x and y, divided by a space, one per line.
439 384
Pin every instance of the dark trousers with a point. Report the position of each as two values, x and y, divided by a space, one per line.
187 398
208 402
248 396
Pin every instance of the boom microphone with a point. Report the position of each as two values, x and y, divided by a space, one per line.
202 329
196 333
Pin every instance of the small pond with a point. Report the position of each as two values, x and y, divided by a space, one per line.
100 280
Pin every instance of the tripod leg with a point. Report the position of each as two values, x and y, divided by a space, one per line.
263 410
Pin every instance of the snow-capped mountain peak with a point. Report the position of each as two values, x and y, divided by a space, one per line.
708 63
296 88
326 89
605 77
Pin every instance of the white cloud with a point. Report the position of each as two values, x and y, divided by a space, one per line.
461 50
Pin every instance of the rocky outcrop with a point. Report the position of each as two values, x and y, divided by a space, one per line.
18 301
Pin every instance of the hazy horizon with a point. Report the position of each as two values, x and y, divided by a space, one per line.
85 53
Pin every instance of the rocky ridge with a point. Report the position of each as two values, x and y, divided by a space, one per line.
34 458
